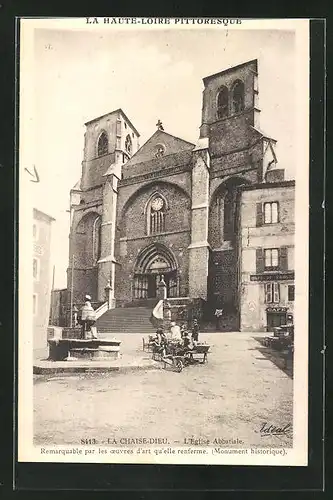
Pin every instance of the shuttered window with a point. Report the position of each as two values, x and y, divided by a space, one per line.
35 269
271 258
271 212
259 215
284 259
260 267
291 293
272 293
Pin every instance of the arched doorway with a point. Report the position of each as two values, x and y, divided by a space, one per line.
153 262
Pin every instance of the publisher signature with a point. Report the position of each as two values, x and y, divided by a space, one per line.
273 430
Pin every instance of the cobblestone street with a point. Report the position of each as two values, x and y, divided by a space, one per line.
232 396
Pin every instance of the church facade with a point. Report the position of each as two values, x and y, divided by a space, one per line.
170 208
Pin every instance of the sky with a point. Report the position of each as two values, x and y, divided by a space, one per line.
151 75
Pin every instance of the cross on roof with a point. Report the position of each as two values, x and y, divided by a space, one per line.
159 125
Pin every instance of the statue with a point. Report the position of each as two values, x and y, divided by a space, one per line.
162 288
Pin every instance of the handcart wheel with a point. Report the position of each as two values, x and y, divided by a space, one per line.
178 365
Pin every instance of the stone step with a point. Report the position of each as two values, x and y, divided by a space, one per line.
126 320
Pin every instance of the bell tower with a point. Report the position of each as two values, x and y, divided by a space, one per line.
230 98
109 142
230 120
230 124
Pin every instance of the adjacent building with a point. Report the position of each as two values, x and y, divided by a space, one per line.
59 314
267 287
41 270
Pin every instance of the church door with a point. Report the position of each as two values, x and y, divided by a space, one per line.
152 293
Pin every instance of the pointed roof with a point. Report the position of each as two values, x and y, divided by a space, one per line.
253 62
262 133
116 111
77 186
38 214
170 144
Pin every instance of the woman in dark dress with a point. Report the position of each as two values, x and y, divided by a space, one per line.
195 330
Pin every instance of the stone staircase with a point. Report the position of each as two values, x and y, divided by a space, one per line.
126 320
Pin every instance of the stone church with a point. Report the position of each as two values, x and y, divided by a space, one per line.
170 207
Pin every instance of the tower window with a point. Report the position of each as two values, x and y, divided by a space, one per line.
103 144
128 144
97 238
222 103
238 96
229 216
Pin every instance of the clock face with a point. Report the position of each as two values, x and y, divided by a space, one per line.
157 204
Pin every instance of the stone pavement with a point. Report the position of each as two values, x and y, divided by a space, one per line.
232 396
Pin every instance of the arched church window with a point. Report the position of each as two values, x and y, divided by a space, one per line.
229 216
103 144
97 240
238 96
156 215
222 103
128 144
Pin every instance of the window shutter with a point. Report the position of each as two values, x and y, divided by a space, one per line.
260 265
276 292
284 259
268 293
259 220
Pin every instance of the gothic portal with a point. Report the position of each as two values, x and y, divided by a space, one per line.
153 262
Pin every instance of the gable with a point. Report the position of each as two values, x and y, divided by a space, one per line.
168 142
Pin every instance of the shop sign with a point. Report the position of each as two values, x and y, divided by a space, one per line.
276 309
272 277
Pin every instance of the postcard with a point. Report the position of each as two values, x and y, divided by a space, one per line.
163 244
